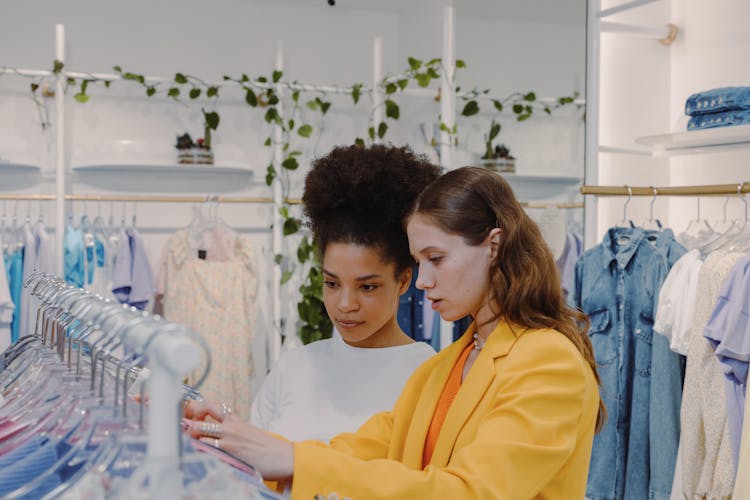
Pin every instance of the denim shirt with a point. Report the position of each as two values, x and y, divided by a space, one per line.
617 284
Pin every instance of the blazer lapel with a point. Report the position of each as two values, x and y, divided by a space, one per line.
473 388
425 405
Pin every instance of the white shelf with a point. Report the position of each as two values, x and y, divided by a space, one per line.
162 169
539 179
698 141
18 168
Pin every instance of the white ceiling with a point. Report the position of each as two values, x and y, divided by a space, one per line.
562 11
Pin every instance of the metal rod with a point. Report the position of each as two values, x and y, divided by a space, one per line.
705 190
60 154
561 206
147 198
623 7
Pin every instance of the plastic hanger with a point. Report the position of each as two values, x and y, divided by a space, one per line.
734 230
698 231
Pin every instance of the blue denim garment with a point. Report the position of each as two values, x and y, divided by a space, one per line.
723 119
409 316
720 99
667 375
616 284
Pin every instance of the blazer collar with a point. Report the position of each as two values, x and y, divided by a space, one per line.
472 390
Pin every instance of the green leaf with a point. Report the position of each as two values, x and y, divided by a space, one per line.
277 258
444 127
244 78
273 100
270 174
117 69
423 79
268 142
290 163
291 124
295 153
498 105
415 64
107 83
262 79
212 119
227 77
141 79
272 115
173 92
285 276
313 105
212 91
494 129
390 88
356 91
276 76
391 109
34 87
531 97
460 63
180 78
547 110
251 98
433 73
359 142
81 97
382 129
71 81
195 92
84 84
433 61
57 66
286 147
523 117
291 226
517 108
403 83
324 106
371 133
470 109
150 91
305 130
284 212
295 96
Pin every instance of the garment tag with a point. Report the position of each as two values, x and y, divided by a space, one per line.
202 254
88 239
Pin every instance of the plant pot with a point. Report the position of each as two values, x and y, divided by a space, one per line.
185 156
505 165
203 156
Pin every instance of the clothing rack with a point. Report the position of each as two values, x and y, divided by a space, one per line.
172 351
148 198
701 190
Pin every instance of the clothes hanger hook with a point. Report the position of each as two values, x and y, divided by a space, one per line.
653 199
742 197
625 206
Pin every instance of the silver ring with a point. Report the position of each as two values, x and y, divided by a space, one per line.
210 429
217 444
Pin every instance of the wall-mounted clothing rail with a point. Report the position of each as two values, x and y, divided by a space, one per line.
705 190
148 198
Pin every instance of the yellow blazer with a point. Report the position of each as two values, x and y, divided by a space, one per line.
520 427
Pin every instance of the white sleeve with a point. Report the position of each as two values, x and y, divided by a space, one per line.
668 302
264 408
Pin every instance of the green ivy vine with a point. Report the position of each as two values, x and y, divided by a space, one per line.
264 92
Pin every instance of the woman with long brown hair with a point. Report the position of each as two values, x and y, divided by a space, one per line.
507 411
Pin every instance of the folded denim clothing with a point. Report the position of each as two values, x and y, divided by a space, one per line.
723 119
715 100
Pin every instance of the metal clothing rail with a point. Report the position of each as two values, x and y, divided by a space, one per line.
148 198
704 190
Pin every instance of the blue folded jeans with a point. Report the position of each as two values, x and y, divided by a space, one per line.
715 100
723 119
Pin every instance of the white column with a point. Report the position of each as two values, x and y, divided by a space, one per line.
448 117
378 112
591 153
274 344
60 152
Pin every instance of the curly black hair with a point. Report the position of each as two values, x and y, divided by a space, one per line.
362 195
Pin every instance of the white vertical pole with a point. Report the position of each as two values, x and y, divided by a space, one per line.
60 152
377 95
274 345
591 153
448 117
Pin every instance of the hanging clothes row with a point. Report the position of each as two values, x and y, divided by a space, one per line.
75 432
670 335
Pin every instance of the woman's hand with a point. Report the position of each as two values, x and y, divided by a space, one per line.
272 457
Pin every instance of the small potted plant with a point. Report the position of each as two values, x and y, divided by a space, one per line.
203 154
497 157
185 147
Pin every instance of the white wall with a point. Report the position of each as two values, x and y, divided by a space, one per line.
321 45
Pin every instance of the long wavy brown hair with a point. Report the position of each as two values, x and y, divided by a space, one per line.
524 280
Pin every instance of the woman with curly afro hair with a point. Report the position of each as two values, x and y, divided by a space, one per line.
356 200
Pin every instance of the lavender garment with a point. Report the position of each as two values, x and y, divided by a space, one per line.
132 278
566 263
728 331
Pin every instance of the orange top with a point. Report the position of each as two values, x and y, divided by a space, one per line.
444 403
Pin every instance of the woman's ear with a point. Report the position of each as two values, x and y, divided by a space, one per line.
404 281
494 239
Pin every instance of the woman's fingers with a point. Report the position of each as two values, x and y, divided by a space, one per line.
199 410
